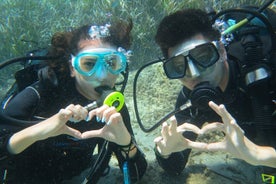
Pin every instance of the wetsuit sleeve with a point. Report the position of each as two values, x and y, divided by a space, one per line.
177 161
23 105
137 165
19 108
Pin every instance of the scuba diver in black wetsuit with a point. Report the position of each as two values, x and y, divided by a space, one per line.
58 134
194 54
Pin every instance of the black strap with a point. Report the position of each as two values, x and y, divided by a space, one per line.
98 167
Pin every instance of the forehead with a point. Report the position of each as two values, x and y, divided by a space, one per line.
187 45
93 44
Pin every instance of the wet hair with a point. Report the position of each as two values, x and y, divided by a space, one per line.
182 25
119 35
66 43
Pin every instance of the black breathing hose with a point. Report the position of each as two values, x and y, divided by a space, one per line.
135 94
26 58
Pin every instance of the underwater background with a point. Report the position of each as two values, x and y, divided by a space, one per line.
27 25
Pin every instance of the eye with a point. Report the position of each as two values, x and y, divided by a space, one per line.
87 64
204 55
178 63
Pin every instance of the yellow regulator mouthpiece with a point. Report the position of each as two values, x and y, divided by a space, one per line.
115 99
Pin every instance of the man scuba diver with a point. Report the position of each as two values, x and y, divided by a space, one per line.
195 55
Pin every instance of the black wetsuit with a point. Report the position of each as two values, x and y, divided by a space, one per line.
239 104
59 158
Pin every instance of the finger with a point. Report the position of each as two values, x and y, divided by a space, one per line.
99 112
213 127
107 114
70 106
188 127
73 132
226 116
173 125
160 146
214 106
157 139
197 145
217 146
165 131
115 119
90 134
91 114
236 135
232 128
237 127
65 114
221 110
79 113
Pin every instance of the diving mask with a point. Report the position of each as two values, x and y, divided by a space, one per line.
203 56
88 62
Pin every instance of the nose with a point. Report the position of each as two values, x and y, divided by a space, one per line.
101 73
192 69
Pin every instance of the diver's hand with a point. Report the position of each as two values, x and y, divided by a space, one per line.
114 131
235 142
74 113
172 140
53 126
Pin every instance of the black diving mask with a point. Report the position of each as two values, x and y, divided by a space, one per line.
203 56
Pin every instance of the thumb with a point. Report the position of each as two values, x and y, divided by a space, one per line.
90 134
73 132
157 139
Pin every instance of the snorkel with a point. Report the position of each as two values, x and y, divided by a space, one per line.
243 22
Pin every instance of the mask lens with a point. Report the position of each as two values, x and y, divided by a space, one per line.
113 62
175 67
87 63
204 55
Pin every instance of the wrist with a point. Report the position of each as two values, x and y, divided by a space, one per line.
127 146
128 150
128 143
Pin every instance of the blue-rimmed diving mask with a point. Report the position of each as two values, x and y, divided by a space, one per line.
204 56
88 62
